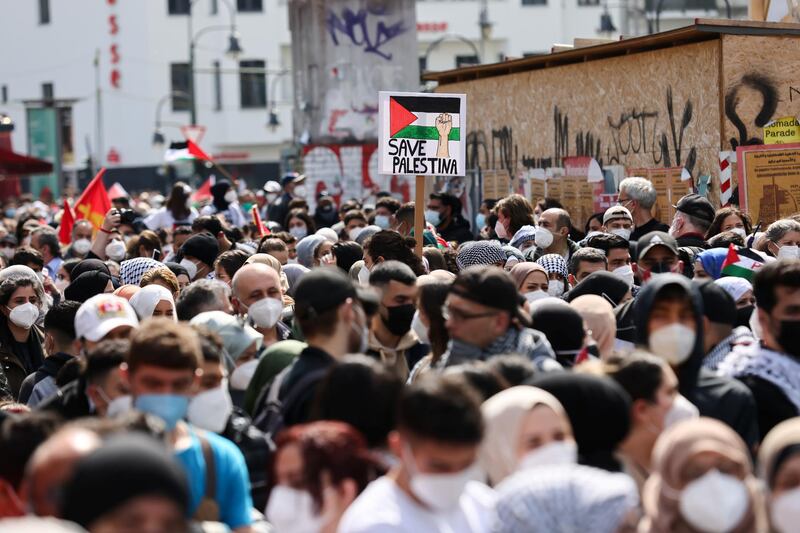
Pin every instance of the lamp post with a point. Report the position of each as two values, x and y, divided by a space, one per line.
158 137
273 120
439 41
234 49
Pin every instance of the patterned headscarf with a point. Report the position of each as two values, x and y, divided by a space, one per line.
554 263
480 253
132 270
523 235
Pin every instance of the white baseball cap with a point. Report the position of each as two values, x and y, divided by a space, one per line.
102 313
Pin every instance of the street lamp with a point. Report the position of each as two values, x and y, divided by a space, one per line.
273 121
158 137
234 49
439 41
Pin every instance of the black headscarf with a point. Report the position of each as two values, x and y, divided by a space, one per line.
599 410
125 467
218 191
87 285
602 283
563 327
89 265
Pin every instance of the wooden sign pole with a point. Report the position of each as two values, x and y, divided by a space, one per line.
419 215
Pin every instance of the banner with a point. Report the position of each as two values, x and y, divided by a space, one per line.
43 143
769 181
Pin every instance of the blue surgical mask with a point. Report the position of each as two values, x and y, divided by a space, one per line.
168 407
432 217
382 221
480 221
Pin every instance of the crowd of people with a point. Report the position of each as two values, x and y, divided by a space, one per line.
179 368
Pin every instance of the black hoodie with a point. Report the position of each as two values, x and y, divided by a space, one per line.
717 397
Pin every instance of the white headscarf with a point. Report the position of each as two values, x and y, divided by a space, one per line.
145 301
734 286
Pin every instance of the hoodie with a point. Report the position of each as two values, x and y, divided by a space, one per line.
715 396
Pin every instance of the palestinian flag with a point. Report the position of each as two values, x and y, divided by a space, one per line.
414 117
739 266
185 150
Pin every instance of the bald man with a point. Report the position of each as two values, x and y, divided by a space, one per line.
257 293
556 222
51 466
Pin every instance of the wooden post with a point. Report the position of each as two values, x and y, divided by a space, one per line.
419 214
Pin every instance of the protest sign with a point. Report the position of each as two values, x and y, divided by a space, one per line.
784 130
769 181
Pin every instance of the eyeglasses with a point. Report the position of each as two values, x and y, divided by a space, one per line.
451 313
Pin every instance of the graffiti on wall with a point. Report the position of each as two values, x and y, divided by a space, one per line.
749 133
366 28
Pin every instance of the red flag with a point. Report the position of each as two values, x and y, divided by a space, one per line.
204 192
262 229
94 203
196 151
67 222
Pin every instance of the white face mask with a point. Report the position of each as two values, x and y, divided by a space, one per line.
291 510
673 343
785 511
211 409
625 233
231 196
115 250
500 229
440 492
119 405
291 261
739 231
298 232
354 233
382 221
538 294
300 191
243 374
271 196
564 452
61 285
555 287
363 275
682 409
190 267
24 316
82 246
419 328
715 502
789 251
625 273
542 237
265 312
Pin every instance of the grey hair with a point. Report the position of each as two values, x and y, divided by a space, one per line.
202 295
779 228
641 190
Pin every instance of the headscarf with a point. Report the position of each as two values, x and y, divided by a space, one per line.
480 253
127 291
236 336
503 414
366 233
140 467
306 249
734 286
146 299
674 449
599 410
563 327
329 234
294 272
521 271
598 315
275 358
513 254
601 283
780 444
564 499
132 270
89 265
218 191
523 235
24 272
712 261
554 263
87 285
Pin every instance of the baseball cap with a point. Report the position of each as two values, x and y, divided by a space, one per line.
292 177
323 289
617 211
718 305
696 206
236 336
272 186
656 238
102 313
201 246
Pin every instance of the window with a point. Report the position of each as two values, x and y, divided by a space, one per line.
179 75
253 83
217 87
47 92
466 60
44 11
249 6
4 97
534 2
584 3
423 64
179 7
214 7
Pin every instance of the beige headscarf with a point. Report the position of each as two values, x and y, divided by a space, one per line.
503 414
674 449
782 436
521 271
598 315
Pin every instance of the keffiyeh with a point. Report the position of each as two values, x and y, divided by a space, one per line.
480 253
131 271
523 235
554 263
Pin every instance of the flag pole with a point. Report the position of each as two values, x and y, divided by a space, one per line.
419 215
222 171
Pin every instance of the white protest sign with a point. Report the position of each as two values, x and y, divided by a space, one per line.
422 133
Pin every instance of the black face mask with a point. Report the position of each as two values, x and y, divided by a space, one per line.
788 338
743 316
399 320
661 268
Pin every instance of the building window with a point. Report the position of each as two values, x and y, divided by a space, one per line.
214 7
4 96
535 2
178 7
179 76
423 64
584 3
249 6
253 83
48 92
44 11
217 87
466 60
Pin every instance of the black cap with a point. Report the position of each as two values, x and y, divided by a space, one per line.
696 206
201 246
324 289
718 305
656 238
292 177
8 239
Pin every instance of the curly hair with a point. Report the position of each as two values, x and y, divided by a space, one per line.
390 245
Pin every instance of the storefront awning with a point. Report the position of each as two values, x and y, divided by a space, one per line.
14 163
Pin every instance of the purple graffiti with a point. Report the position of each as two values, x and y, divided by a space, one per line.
356 27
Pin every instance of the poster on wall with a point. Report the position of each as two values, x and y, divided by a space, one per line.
769 181
43 143
422 134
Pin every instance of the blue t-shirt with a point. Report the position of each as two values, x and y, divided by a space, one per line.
233 483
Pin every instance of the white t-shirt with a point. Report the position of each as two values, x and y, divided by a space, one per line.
162 218
383 507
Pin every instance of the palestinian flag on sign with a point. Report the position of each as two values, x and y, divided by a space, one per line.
185 150
414 117
740 265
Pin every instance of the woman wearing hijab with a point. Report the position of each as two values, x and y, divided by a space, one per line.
598 316
154 301
87 285
556 268
88 265
779 470
741 291
294 273
311 248
226 202
599 411
563 327
526 427
709 263
702 481
132 270
532 281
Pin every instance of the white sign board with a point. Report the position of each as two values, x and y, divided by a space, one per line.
422 134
